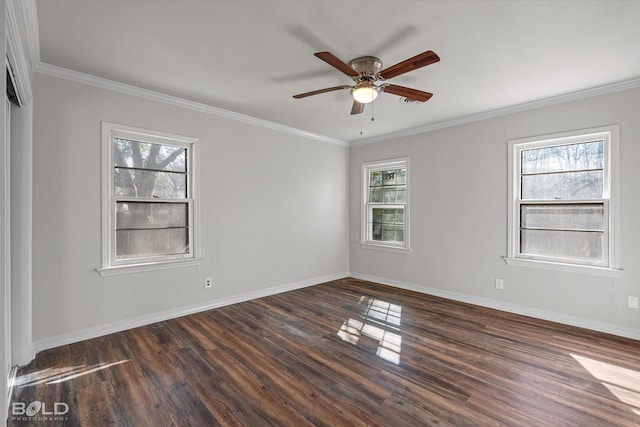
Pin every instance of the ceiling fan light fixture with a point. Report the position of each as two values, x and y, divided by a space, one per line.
365 71
365 93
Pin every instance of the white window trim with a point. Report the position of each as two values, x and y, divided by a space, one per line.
109 267
611 137
384 165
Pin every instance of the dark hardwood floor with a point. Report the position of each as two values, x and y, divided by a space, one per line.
344 353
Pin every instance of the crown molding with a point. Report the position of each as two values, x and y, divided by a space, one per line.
31 25
102 83
33 38
17 63
30 18
527 106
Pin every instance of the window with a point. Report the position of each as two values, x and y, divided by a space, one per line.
563 207
385 222
149 200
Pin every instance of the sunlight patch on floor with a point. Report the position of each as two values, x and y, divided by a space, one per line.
59 375
623 383
379 319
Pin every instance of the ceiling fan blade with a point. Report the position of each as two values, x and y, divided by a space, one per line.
407 92
319 91
337 63
418 61
357 108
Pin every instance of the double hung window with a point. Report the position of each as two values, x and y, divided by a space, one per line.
385 220
562 209
149 197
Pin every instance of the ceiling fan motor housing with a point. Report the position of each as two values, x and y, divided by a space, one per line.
367 66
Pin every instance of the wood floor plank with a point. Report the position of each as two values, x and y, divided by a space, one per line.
344 353
99 404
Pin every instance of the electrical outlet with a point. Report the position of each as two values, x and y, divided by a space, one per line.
208 282
632 301
499 284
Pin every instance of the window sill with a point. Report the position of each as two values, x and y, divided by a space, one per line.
150 266
386 248
570 268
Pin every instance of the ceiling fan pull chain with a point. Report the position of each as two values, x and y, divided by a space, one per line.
372 118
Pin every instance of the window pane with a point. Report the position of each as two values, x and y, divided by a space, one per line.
399 216
376 179
387 186
389 177
376 195
144 155
399 234
151 215
572 157
376 231
583 245
390 195
571 216
145 243
389 233
137 183
563 186
389 216
387 225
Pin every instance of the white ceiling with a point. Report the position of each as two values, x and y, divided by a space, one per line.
250 57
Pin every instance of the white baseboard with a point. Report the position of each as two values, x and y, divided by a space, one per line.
98 331
503 306
85 334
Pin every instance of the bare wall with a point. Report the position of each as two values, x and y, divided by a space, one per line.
459 217
280 210
274 212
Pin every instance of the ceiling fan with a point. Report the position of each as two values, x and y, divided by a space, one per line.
365 72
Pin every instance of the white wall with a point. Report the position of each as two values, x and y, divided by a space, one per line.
21 224
459 218
281 211
274 213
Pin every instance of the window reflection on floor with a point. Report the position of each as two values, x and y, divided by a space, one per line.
380 321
